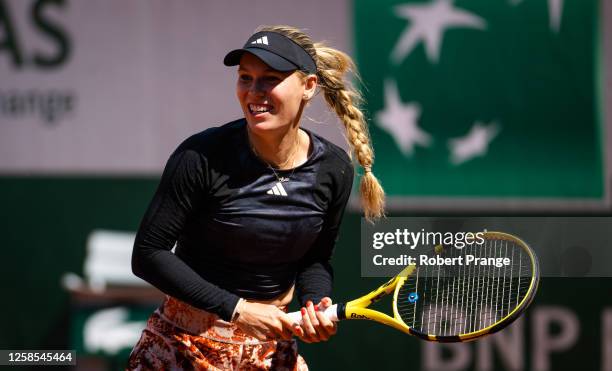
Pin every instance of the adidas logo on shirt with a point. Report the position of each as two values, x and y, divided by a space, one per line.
277 190
261 40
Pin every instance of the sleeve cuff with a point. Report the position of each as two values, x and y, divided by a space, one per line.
237 309
226 311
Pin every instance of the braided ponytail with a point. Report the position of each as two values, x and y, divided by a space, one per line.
343 99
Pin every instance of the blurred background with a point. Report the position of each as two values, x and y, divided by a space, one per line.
476 108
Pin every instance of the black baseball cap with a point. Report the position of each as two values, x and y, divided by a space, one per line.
276 50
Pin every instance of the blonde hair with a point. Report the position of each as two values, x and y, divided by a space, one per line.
344 99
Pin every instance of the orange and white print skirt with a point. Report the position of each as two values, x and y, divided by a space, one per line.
181 337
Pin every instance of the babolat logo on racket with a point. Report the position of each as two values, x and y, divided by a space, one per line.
361 316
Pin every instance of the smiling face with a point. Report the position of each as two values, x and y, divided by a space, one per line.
270 99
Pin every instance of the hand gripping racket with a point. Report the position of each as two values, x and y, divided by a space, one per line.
454 303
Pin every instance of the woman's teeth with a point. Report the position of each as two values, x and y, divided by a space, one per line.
257 108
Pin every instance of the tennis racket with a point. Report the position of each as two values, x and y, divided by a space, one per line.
454 303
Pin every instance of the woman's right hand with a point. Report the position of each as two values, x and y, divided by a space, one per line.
266 322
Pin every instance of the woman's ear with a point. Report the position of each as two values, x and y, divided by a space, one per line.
310 86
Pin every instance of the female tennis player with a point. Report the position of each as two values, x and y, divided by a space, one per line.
254 208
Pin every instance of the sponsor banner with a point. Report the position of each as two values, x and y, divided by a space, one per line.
479 99
113 87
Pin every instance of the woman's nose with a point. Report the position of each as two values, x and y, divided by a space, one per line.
257 88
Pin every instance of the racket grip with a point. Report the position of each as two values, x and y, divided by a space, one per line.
331 313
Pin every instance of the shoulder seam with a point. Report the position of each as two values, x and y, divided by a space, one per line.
338 151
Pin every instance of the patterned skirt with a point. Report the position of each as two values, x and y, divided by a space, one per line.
181 337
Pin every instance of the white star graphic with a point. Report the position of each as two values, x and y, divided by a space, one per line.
427 23
555 12
400 121
475 143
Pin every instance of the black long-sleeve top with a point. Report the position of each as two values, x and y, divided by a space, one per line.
239 232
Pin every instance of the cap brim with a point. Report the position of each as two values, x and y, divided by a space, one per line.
274 61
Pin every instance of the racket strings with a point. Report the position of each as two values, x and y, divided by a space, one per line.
466 298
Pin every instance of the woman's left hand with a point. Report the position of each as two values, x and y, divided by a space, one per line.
317 327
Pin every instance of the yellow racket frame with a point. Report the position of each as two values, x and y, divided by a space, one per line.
358 308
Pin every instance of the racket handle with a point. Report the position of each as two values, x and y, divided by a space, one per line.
331 313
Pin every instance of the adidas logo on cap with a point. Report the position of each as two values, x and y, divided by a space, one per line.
261 40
